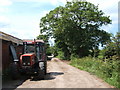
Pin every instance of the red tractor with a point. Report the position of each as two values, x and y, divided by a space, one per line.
33 60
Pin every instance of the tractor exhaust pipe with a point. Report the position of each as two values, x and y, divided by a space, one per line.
35 47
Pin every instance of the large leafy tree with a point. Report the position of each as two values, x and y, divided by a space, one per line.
76 27
112 49
43 37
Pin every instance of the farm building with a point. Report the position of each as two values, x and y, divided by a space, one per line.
6 41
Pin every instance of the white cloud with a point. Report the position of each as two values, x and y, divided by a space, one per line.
106 5
19 33
53 2
29 0
114 17
43 13
5 2
4 19
23 27
107 28
58 2
2 9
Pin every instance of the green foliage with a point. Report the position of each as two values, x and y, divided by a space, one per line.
61 55
76 28
108 70
53 50
43 37
101 54
73 56
112 49
48 51
106 66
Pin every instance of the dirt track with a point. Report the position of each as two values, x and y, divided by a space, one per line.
62 75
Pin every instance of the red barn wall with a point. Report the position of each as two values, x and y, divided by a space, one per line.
6 53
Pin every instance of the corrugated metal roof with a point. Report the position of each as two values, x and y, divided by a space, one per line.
8 37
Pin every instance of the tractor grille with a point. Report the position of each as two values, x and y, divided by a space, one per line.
26 60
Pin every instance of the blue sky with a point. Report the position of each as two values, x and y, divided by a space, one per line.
21 18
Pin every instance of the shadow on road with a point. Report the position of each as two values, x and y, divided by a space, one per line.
13 84
49 76
56 73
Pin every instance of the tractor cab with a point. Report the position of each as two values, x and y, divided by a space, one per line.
34 55
35 47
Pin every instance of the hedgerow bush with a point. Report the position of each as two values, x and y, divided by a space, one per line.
107 70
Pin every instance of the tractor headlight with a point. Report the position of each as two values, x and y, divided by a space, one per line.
23 63
28 63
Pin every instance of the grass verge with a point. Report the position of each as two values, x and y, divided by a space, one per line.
107 70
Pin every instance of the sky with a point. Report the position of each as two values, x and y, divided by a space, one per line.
21 18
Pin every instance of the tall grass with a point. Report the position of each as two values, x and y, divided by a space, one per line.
107 70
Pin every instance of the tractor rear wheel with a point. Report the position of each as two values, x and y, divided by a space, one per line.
40 74
40 70
45 68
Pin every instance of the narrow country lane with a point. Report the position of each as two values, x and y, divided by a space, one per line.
62 75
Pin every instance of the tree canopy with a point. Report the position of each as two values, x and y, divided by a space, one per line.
76 27
112 49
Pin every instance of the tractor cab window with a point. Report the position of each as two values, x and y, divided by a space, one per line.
29 48
38 52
